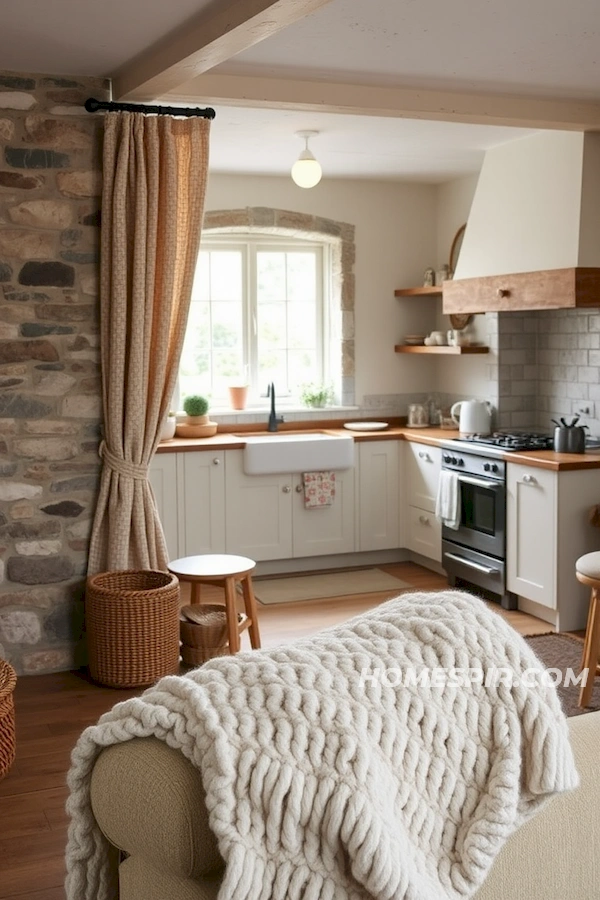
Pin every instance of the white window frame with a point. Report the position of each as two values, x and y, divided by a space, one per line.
250 245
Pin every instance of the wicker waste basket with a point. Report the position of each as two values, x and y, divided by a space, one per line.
132 625
203 629
8 680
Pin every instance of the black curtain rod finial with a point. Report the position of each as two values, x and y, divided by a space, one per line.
92 105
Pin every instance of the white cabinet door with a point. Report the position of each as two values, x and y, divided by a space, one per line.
378 498
327 529
258 512
531 527
423 467
163 479
424 533
202 502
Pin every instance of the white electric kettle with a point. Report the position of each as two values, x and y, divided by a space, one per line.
475 416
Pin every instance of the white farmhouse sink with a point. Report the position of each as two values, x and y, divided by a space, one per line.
281 452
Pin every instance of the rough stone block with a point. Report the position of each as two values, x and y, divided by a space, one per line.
38 548
7 130
55 384
55 274
16 100
19 158
80 184
14 490
80 530
80 257
70 485
17 82
13 180
65 508
57 134
39 598
55 660
22 509
17 406
82 406
8 467
29 531
39 570
22 244
8 331
16 351
66 313
35 329
50 426
45 448
56 214
20 627
5 272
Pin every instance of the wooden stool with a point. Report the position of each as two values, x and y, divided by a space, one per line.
587 570
223 570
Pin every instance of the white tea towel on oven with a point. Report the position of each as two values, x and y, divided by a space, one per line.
447 505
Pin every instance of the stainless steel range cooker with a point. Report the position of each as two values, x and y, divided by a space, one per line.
475 553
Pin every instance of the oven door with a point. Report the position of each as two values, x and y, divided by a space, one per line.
482 516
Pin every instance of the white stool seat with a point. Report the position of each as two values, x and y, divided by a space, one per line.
589 565
212 565
223 570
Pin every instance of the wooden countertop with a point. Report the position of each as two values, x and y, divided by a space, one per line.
233 439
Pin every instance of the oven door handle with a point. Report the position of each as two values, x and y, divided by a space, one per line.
479 482
472 565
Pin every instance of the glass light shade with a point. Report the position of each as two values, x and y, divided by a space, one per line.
306 171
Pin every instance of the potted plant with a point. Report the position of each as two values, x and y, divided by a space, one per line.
197 423
316 395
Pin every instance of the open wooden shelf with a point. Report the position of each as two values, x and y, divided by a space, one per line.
451 351
419 291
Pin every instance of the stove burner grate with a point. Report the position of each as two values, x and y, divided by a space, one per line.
511 441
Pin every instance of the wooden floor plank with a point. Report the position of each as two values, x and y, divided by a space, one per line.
53 710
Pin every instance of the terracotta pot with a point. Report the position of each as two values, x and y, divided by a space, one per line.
238 396
188 430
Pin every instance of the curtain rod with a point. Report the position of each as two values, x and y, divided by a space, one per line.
93 105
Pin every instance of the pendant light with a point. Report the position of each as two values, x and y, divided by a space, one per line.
306 171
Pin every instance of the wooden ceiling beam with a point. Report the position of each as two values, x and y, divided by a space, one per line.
409 103
204 42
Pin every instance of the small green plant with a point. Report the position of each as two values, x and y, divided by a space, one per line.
316 395
195 405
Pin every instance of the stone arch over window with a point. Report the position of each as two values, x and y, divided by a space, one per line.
340 237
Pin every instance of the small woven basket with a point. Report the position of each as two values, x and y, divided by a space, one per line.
203 629
132 624
8 680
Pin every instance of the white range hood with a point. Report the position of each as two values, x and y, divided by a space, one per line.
536 207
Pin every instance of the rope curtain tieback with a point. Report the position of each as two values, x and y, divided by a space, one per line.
121 466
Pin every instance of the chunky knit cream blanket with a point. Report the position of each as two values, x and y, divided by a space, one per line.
322 784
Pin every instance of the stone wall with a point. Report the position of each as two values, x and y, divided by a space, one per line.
50 407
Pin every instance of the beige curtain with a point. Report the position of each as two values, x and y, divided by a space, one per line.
155 172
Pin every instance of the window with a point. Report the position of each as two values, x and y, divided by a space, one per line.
259 313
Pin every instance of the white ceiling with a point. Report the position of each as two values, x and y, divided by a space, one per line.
542 48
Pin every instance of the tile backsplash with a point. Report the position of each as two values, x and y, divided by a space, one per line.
548 367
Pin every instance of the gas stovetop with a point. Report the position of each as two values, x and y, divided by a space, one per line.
507 441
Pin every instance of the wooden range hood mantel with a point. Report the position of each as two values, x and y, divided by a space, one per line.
550 289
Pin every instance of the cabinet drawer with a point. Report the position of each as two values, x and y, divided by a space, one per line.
424 533
423 466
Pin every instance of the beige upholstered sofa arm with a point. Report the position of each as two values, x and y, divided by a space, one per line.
149 802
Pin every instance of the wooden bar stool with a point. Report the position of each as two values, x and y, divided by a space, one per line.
587 570
224 570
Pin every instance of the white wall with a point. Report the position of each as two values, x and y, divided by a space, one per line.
396 237
465 376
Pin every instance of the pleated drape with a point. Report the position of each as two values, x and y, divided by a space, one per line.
155 173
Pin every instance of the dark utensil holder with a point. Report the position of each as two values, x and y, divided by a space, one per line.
561 439
576 439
